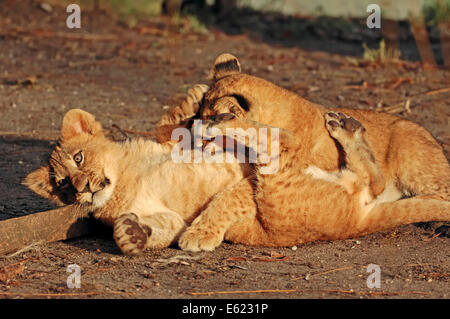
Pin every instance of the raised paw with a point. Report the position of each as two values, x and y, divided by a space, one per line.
130 235
337 122
196 239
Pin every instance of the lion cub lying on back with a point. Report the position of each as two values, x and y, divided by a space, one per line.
133 186
153 202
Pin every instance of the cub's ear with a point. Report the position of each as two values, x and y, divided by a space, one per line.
225 64
40 182
78 122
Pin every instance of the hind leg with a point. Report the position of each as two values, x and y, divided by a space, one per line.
419 162
207 231
361 170
421 167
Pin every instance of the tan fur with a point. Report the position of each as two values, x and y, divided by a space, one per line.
147 198
405 152
187 109
404 160
300 203
224 65
153 202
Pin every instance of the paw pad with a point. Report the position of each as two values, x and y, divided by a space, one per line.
341 121
130 235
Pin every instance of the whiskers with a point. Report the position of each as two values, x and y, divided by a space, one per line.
82 210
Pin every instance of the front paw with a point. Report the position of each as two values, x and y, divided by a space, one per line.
196 239
130 235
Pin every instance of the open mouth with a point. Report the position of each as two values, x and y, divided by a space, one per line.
91 194
97 198
89 197
84 198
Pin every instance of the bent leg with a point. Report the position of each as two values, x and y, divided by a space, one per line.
359 157
226 208
419 162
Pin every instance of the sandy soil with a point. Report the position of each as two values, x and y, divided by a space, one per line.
128 76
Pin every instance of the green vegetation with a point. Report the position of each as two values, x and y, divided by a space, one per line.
437 12
381 54
135 8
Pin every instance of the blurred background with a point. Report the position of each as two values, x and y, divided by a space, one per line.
424 21
414 29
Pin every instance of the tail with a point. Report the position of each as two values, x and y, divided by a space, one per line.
406 211
225 64
187 109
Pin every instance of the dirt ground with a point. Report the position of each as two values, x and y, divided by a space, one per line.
128 77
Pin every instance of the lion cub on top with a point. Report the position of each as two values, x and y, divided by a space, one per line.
153 202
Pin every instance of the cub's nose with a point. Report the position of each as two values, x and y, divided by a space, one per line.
93 187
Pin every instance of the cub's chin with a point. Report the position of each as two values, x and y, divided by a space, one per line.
97 199
100 198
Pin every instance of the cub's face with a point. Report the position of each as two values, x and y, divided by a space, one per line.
79 170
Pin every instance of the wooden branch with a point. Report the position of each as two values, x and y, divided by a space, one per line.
49 226
406 106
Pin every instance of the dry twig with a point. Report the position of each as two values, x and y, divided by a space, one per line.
325 272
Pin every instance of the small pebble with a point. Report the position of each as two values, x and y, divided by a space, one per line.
46 7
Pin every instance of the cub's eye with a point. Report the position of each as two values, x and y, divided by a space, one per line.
78 158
